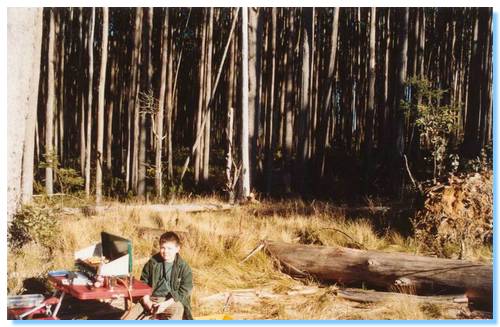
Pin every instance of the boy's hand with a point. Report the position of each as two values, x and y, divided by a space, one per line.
147 304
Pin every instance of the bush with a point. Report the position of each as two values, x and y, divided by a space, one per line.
33 223
457 216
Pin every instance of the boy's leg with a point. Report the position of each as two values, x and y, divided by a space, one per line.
174 312
134 313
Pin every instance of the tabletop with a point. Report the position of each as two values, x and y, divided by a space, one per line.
83 292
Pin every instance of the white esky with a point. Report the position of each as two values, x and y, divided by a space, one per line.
190 3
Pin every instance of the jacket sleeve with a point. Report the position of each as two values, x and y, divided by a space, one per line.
182 293
146 275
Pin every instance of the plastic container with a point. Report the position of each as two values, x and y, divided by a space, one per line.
24 301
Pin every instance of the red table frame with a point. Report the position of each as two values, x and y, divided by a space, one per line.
82 292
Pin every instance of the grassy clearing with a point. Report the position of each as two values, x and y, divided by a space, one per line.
218 241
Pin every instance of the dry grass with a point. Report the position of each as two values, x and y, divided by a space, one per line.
217 242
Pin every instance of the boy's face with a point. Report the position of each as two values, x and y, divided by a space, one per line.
168 250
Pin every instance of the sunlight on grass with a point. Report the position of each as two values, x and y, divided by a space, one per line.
215 244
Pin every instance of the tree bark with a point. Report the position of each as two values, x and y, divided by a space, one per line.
170 108
245 174
81 95
271 125
133 113
399 115
100 107
371 86
114 102
304 115
208 90
386 270
49 113
161 108
24 41
89 104
201 99
254 61
148 71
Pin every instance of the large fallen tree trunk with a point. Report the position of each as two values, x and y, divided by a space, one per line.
387 270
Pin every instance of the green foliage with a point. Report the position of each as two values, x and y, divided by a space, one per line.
68 179
435 122
33 223
483 162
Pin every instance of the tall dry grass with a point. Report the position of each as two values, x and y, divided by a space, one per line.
215 245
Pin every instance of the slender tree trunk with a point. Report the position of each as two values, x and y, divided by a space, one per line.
170 109
89 103
49 114
271 116
254 59
142 161
229 156
133 113
471 137
399 115
288 148
81 95
24 42
208 90
60 107
161 108
485 15
245 174
304 99
113 98
327 104
201 98
100 107
371 87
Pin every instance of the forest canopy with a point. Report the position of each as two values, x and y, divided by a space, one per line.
342 102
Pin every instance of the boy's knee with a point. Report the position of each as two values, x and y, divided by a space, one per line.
178 307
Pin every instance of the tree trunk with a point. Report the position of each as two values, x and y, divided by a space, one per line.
170 108
114 99
208 93
245 174
304 100
371 87
89 103
161 108
133 113
201 99
254 59
24 41
229 157
142 160
100 106
288 147
81 95
271 125
60 108
386 270
327 103
49 113
399 122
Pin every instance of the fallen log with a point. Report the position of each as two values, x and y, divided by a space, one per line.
158 208
369 296
386 270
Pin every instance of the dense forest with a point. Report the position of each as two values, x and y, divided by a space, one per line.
334 103
354 146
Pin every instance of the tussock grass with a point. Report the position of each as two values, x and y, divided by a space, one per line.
215 245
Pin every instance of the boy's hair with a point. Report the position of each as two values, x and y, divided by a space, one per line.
170 237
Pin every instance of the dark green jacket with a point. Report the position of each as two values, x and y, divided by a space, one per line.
181 280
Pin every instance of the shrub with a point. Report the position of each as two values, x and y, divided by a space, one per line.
458 216
33 223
